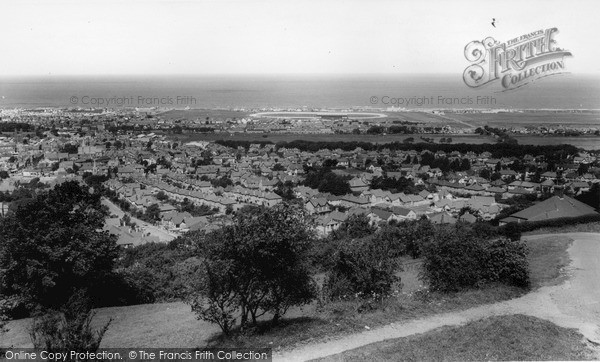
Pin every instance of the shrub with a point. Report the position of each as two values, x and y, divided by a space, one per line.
458 258
68 329
361 268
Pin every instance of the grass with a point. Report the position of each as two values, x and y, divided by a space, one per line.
548 258
146 325
592 227
346 317
506 338
173 324
533 119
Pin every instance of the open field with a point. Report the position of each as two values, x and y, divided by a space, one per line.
300 115
505 338
583 119
201 114
174 325
585 142
429 119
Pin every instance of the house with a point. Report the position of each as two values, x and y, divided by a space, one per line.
358 185
325 224
442 218
317 205
378 215
468 217
552 208
404 213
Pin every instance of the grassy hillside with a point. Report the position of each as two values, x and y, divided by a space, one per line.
505 338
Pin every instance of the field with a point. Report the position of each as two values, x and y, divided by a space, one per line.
192 114
173 324
583 119
506 338
293 115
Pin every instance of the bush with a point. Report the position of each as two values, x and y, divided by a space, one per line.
68 329
361 268
457 258
559 222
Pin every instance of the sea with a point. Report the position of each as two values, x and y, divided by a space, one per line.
381 91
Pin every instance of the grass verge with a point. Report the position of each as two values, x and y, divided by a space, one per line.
548 258
592 227
505 338
345 317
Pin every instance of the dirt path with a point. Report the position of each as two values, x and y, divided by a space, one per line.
573 304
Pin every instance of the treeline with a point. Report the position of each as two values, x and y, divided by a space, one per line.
325 180
498 150
16 126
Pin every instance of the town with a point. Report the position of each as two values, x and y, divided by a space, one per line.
158 188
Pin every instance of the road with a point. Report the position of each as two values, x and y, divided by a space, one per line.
162 234
573 304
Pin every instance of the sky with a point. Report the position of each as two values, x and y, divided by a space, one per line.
275 37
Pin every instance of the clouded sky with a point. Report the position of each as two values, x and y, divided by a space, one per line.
264 36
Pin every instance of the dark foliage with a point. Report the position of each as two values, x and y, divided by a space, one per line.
458 258
258 264
53 245
361 268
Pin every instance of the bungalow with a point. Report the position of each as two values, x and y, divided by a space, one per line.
467 217
358 185
353 201
325 224
508 174
404 213
442 218
552 208
378 215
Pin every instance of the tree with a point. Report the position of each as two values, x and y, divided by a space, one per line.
285 190
258 265
69 148
4 174
591 197
153 212
161 196
278 167
357 226
222 181
53 245
217 301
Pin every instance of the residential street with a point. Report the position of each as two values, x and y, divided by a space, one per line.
162 234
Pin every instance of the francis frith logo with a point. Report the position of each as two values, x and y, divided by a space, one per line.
515 62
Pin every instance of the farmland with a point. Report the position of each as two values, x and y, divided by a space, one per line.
583 119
